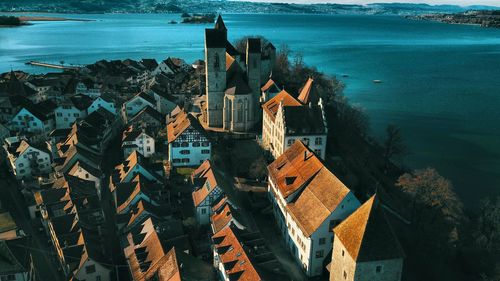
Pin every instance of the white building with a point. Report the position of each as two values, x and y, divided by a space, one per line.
105 101
308 201
87 172
70 110
206 191
29 119
269 90
188 144
286 119
88 88
131 107
25 160
137 140
365 247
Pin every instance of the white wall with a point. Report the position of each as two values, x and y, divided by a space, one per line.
194 158
65 117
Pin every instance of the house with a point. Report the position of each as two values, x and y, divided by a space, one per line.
153 255
269 90
365 247
137 140
135 164
80 251
188 144
104 101
206 191
149 64
26 160
70 110
224 213
9 106
87 172
231 258
127 195
16 260
149 119
34 118
171 66
165 102
140 212
88 88
286 119
308 201
131 107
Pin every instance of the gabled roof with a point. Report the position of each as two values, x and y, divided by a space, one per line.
271 106
294 168
321 196
233 256
308 93
270 86
14 256
148 110
367 235
304 120
145 97
225 216
237 86
205 182
124 169
182 121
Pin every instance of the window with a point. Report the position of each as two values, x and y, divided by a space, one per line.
175 144
204 144
148 149
184 144
317 152
343 252
21 164
378 269
318 141
185 160
320 254
205 151
59 114
90 269
322 241
76 115
203 211
290 142
98 278
176 160
86 176
196 144
305 141
333 223
216 61
185 151
345 275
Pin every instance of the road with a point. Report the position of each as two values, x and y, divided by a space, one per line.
44 257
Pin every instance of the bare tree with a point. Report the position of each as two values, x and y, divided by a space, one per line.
487 231
433 194
393 145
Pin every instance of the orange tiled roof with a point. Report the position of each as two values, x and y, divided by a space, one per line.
317 201
180 123
236 262
221 219
229 61
268 85
305 93
207 174
272 105
296 166
367 235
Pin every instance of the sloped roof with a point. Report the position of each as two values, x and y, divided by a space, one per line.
219 24
272 105
304 120
234 257
295 167
181 122
321 196
14 256
237 86
367 235
205 173
270 86
308 93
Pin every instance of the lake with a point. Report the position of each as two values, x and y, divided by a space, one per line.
440 82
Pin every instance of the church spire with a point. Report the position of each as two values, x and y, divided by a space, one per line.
219 24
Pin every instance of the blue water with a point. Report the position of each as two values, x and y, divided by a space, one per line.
441 83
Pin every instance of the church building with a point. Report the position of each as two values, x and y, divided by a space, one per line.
234 80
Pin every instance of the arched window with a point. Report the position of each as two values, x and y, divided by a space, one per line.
239 111
216 61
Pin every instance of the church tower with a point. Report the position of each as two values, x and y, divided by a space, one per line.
215 71
253 63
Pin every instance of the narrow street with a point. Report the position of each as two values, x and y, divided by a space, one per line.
44 257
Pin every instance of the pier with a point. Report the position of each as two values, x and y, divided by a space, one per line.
50 65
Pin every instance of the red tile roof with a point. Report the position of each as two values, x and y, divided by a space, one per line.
272 105
205 173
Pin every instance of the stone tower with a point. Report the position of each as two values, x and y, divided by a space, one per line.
215 71
253 63
365 248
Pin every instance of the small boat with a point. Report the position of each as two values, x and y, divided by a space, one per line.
377 81
172 22
345 75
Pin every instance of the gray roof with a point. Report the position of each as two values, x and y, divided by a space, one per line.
304 120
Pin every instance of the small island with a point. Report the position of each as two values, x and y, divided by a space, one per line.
10 21
484 18
198 18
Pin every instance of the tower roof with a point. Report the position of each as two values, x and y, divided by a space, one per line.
215 38
367 234
253 45
219 24
308 93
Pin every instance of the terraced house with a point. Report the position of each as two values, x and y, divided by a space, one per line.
308 201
